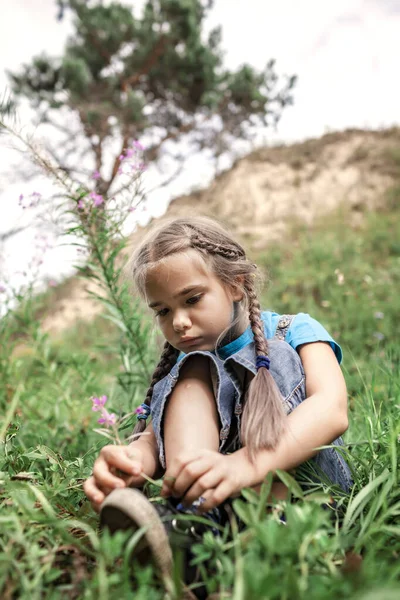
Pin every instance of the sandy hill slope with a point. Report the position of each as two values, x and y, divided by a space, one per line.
270 187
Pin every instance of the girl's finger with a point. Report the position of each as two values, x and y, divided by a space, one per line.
210 480
92 491
190 475
104 477
116 456
217 496
175 469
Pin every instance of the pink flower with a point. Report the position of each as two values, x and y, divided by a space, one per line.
53 283
80 204
96 175
97 199
107 419
2 289
98 403
139 411
138 145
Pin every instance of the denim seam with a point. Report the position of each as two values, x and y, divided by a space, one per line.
294 390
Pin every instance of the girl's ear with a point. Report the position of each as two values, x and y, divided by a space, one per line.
237 288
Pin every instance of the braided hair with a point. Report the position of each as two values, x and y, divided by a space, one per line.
263 420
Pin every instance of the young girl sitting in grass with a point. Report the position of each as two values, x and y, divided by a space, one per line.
238 392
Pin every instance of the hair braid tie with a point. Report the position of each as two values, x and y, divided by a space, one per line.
262 361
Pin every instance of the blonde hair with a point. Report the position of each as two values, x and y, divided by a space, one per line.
263 419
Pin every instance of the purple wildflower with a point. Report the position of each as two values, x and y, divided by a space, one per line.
96 174
139 411
80 204
138 145
107 419
2 289
98 403
97 199
378 336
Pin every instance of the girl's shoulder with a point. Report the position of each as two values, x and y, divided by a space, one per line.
298 329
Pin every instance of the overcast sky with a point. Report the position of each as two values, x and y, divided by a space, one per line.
345 53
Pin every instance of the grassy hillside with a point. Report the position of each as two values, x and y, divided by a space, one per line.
346 276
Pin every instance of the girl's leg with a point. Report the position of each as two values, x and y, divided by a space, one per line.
191 419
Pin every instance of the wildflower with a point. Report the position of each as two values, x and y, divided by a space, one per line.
378 315
53 283
138 145
107 419
2 289
35 198
139 410
97 199
378 335
32 200
80 204
98 403
132 209
96 174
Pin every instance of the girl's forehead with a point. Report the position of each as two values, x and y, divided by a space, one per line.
182 265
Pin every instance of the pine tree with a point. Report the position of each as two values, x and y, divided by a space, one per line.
124 77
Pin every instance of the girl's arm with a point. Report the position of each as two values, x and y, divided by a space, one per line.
317 421
147 442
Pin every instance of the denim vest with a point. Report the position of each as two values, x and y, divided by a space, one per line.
228 376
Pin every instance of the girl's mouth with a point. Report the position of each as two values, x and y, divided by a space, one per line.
189 341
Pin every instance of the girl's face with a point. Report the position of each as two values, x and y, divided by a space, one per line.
192 306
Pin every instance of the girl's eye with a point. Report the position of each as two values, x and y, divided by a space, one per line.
193 300
162 312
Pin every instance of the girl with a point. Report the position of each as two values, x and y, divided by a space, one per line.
237 393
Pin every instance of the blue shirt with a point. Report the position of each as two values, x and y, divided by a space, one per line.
303 330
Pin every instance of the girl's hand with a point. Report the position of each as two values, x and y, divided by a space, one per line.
208 474
116 467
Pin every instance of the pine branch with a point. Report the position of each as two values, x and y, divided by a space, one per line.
150 62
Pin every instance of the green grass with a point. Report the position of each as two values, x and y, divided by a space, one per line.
49 544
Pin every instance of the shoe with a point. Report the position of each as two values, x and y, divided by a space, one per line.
128 508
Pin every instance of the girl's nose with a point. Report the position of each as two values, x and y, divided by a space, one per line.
181 322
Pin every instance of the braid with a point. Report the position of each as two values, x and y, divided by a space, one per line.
264 419
255 319
167 361
230 253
